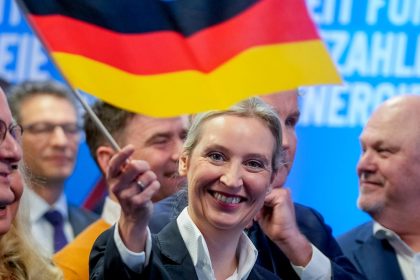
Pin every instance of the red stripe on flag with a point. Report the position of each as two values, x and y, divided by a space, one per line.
267 22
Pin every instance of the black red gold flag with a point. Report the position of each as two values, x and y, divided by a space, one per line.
166 58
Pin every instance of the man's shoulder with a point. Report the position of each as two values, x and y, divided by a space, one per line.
83 213
301 209
355 239
80 218
356 235
310 220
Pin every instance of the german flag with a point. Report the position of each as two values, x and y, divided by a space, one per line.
170 57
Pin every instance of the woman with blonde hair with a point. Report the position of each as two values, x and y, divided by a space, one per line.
230 158
18 258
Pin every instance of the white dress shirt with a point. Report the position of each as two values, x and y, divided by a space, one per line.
408 260
111 211
319 267
197 249
41 229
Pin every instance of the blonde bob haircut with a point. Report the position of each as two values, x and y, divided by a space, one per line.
249 108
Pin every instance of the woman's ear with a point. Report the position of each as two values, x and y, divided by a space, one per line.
103 156
183 164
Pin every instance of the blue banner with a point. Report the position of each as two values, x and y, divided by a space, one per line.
376 45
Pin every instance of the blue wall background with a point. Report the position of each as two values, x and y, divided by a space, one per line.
376 45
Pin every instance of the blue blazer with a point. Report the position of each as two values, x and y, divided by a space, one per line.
80 218
170 259
312 225
374 258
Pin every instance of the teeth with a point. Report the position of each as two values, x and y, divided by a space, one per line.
225 199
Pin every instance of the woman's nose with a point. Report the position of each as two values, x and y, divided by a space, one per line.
233 176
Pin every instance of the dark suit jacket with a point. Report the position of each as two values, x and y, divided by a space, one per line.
374 258
169 260
312 225
80 218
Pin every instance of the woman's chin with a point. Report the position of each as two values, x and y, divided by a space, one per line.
4 227
228 222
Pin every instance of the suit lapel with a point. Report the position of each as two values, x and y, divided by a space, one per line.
74 221
176 259
377 259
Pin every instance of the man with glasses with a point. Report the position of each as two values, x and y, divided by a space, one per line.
50 143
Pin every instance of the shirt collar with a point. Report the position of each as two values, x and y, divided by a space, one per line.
111 211
38 206
381 232
199 253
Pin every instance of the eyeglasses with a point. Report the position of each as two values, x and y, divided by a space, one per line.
46 128
14 129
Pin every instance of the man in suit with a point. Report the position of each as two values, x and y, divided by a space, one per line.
157 141
50 143
388 247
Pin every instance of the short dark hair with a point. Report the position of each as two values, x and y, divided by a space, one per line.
26 90
113 118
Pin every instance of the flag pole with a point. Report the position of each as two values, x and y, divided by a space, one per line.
75 92
96 120
103 129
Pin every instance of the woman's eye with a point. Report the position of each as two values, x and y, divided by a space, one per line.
216 156
255 164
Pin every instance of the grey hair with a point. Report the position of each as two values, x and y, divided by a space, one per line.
249 108
26 90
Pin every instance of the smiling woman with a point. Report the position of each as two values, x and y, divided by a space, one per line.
18 259
10 155
230 158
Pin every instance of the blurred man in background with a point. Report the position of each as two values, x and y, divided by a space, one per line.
50 144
